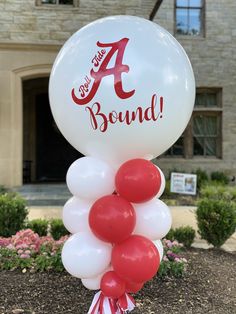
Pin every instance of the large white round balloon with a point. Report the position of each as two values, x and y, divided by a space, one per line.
90 178
75 214
153 219
122 87
85 256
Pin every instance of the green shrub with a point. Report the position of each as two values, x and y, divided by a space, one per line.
57 229
219 177
216 220
170 235
49 258
3 190
202 178
185 235
10 260
39 226
218 192
13 212
46 262
167 193
169 268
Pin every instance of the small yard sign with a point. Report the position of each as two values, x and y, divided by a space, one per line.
183 183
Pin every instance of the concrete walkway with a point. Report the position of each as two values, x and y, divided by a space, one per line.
182 216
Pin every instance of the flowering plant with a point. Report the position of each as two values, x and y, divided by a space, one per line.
172 263
27 250
26 242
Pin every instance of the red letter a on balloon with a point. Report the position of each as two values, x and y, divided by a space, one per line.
116 47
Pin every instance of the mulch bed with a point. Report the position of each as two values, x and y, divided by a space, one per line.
209 286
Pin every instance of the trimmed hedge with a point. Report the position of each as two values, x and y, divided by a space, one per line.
39 226
216 220
184 235
57 229
13 213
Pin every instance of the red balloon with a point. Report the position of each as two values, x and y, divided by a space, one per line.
135 259
138 180
112 286
133 287
112 218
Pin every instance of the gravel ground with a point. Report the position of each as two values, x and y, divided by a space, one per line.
209 286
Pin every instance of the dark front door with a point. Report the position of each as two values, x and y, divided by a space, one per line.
54 154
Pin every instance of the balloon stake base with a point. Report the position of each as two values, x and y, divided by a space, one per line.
104 305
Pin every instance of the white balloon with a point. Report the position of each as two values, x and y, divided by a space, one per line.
94 282
153 219
75 214
90 178
159 246
163 183
85 256
122 87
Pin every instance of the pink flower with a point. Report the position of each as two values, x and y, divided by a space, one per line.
168 243
21 246
26 239
24 256
177 259
165 258
4 242
46 239
64 238
176 243
10 247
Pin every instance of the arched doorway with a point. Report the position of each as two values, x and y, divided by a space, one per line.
46 153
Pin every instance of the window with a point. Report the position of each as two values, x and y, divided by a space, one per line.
202 137
189 17
177 149
61 3
70 2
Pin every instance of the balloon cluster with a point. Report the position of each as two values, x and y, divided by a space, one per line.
117 221
121 87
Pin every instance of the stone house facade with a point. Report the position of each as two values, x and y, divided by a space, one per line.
31 34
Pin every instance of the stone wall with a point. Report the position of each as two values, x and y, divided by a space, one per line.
31 35
26 22
214 63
